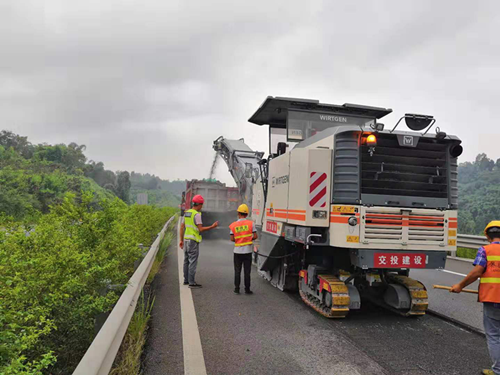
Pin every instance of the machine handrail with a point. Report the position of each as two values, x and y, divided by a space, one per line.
101 354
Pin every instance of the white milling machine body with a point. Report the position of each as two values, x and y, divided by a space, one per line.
352 207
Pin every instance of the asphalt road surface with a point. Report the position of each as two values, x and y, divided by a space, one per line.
462 307
272 332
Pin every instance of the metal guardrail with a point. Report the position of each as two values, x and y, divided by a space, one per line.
470 242
102 352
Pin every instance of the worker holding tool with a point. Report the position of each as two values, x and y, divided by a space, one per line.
243 234
487 267
191 229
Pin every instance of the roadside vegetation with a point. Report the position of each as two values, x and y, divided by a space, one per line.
68 238
463 252
54 281
162 251
128 361
479 194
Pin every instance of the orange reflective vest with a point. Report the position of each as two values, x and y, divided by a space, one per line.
243 232
489 287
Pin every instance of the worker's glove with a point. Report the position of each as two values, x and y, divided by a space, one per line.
181 244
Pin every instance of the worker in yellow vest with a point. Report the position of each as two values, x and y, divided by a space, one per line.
191 229
487 268
243 234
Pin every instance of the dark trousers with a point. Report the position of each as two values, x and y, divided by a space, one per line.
244 260
191 252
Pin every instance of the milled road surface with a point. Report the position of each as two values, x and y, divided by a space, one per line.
272 332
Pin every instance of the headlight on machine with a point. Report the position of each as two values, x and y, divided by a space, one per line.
319 214
353 221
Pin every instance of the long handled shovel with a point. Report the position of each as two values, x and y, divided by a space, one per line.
449 288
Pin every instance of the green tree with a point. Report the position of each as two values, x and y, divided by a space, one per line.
123 186
18 143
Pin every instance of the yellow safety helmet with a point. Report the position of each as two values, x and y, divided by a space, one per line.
492 224
243 209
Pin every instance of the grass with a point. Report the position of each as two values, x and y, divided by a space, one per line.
160 255
463 252
128 361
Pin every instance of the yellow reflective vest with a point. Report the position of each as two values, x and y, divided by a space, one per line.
191 232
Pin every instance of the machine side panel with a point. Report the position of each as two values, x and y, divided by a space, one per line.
258 203
317 193
277 195
325 142
299 181
341 233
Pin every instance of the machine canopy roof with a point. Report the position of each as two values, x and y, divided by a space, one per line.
274 110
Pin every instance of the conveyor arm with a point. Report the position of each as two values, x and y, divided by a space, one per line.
242 163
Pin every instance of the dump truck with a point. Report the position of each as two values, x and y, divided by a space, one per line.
346 207
220 204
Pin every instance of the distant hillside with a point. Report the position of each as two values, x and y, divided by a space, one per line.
162 193
34 177
479 194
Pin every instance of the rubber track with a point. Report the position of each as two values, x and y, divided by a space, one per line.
418 294
336 311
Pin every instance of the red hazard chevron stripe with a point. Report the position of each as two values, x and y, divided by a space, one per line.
317 189
318 181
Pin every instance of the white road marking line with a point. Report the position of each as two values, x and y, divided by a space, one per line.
194 362
454 273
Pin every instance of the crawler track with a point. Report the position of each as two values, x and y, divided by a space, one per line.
340 298
418 294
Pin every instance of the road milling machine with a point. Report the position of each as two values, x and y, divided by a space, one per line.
346 207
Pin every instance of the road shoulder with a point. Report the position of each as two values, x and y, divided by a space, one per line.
164 350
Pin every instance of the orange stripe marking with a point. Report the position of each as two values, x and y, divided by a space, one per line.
341 220
297 217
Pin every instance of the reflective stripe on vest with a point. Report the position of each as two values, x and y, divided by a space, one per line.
243 232
489 287
192 232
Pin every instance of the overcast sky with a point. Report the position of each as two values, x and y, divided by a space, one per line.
148 85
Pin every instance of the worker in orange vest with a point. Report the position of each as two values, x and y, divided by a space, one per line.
487 267
243 234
